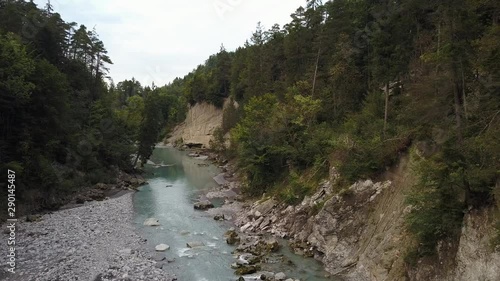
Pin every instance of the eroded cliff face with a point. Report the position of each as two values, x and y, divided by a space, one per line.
472 258
359 233
197 130
476 259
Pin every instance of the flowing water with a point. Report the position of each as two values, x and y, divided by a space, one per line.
169 197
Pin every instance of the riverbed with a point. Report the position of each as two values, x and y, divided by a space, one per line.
175 182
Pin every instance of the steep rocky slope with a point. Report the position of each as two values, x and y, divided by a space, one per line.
359 234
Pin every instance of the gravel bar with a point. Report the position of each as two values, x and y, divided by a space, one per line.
95 242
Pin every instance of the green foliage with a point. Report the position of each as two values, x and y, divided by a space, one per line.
360 151
151 125
295 189
16 66
275 137
258 158
218 141
437 209
60 127
230 116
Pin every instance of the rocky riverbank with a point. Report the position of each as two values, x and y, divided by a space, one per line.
256 255
358 233
96 241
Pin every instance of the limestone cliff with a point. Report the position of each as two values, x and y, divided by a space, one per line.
201 121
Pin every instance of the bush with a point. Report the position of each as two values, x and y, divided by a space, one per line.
437 211
295 189
230 117
360 151
275 137
218 142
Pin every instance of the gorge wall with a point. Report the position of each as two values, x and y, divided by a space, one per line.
359 233
201 121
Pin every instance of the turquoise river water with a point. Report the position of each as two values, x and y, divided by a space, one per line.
169 197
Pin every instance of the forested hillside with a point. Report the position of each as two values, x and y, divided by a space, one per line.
65 126
354 84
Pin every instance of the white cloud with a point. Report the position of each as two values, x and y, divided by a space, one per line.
161 39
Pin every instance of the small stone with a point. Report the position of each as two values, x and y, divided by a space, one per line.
159 265
152 222
126 251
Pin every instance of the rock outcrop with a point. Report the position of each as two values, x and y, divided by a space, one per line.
359 234
197 130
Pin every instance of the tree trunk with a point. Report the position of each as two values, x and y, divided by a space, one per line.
136 159
386 111
458 112
315 72
464 100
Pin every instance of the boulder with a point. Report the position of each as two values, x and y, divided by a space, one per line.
162 247
272 245
160 265
101 186
248 259
247 269
159 257
33 218
266 206
266 275
195 244
232 237
203 205
220 180
152 222
280 276
246 227
219 218
80 199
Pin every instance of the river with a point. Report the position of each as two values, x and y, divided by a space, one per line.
169 197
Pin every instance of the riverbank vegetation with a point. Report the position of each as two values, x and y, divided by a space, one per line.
355 84
64 124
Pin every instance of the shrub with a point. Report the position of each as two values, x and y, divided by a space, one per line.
218 141
437 211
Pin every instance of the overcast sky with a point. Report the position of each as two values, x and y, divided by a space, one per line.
158 40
